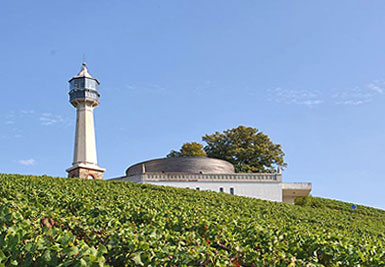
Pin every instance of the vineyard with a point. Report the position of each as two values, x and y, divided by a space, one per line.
47 221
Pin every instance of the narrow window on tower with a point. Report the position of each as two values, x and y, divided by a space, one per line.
221 189
232 190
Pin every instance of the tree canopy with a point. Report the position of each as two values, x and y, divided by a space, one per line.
249 149
192 149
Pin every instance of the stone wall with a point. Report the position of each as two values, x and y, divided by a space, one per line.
86 173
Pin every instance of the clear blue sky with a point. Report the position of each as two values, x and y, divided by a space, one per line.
309 74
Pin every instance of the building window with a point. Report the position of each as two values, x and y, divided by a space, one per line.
221 189
198 188
232 190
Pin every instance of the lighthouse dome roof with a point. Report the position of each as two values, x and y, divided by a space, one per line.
84 73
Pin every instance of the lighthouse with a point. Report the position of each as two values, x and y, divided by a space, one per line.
84 96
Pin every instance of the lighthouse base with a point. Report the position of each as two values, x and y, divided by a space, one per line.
86 172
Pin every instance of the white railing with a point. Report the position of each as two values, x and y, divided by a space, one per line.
239 177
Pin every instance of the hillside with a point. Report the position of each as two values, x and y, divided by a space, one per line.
66 222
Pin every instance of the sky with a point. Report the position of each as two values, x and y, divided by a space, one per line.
309 74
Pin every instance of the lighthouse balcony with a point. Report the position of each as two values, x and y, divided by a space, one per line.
84 94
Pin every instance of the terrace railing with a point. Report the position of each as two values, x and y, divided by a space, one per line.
238 177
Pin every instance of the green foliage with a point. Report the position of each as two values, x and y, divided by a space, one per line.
247 148
72 222
193 149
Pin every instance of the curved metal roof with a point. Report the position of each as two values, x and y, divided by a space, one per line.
182 165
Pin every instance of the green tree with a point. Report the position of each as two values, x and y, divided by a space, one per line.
193 149
247 148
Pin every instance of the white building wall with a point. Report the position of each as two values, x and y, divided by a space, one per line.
264 190
261 186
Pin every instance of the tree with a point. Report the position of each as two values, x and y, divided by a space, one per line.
193 149
247 148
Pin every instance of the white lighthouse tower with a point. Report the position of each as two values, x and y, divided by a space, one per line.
84 96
